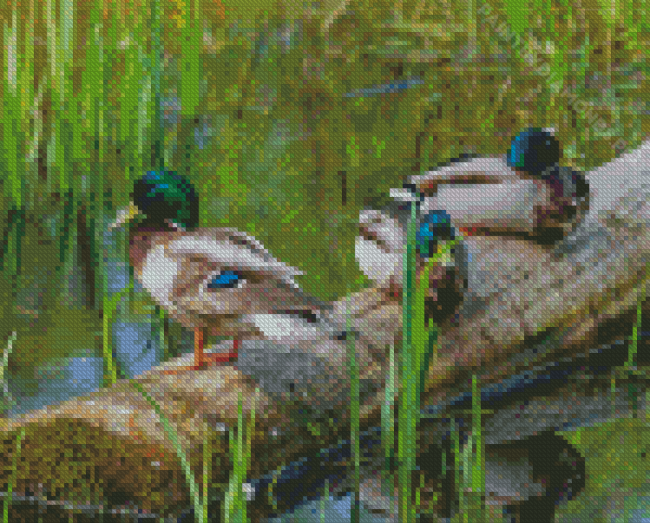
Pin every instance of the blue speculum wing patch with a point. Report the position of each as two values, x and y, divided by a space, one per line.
225 280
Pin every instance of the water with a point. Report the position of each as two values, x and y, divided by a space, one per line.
336 510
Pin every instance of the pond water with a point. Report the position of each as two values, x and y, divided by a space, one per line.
336 510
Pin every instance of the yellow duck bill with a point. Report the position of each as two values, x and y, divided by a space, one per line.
125 216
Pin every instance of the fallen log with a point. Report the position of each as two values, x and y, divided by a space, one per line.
112 445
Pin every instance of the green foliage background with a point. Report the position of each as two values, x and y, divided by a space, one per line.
287 157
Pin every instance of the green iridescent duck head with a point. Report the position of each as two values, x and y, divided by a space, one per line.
161 200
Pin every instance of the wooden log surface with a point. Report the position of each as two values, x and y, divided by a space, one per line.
520 292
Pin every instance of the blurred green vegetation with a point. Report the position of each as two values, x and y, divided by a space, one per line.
265 130
284 154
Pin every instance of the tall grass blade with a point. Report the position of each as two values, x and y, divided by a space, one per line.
11 115
248 450
173 436
408 385
32 149
387 417
26 87
192 41
93 101
14 138
6 399
59 42
458 468
5 357
157 54
146 110
354 416
612 391
424 348
52 82
162 339
466 457
632 351
11 44
63 88
135 73
110 368
207 475
324 498
235 505
14 473
478 455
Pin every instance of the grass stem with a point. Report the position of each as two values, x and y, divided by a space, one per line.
14 474
171 433
355 420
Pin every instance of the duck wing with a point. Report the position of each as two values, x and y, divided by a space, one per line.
226 280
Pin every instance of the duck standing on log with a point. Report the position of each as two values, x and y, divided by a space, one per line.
216 281
223 282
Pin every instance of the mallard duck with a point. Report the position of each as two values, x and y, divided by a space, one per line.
526 193
216 281
379 250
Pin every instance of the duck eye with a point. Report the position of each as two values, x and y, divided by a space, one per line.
226 280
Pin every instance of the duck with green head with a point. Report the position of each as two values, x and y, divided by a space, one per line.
216 281
526 193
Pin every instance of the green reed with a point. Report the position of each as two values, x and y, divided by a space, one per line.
470 464
11 121
630 367
418 353
156 57
93 88
14 473
408 412
208 451
240 448
323 499
198 502
634 342
6 399
18 98
59 150
192 38
355 422
387 418
110 305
